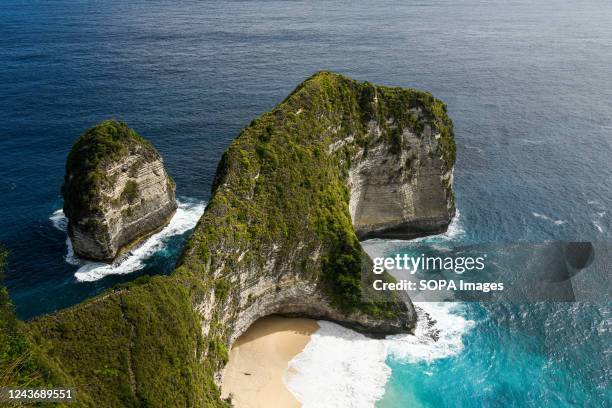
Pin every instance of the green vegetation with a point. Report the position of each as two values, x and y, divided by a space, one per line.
130 192
21 363
16 363
280 185
279 191
138 345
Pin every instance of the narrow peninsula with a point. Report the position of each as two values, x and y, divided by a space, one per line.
336 161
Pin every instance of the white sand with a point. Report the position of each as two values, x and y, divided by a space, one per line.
259 359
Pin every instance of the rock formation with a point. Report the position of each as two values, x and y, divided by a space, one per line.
402 192
116 191
279 236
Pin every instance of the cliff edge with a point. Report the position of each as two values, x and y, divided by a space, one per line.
116 191
279 236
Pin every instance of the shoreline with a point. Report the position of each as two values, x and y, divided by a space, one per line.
259 359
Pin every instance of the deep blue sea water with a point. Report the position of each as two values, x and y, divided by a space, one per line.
528 85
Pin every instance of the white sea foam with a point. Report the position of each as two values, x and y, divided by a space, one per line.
438 334
60 222
599 215
454 231
341 368
598 226
187 215
547 218
532 141
380 247
338 368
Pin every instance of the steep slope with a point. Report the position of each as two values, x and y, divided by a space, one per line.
116 191
21 362
277 237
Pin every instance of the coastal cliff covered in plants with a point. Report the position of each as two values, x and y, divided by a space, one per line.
279 236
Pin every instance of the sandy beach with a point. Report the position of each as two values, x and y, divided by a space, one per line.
258 361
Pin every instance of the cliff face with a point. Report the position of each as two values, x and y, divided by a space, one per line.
401 192
279 236
116 191
336 160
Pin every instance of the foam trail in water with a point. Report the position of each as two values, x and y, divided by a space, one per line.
341 368
60 222
380 247
598 226
600 215
454 231
187 215
547 218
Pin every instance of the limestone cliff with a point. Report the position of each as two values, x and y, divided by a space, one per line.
116 191
402 191
278 237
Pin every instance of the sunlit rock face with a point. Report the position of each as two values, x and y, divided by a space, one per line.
402 191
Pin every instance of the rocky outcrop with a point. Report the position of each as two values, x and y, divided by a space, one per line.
401 193
116 191
289 294
337 158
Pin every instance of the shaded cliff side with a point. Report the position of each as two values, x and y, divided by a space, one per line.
277 237
116 191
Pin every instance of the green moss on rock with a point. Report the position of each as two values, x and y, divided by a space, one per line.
115 191
278 183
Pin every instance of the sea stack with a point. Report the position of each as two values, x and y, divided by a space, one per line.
116 191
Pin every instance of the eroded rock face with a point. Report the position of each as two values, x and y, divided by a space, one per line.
401 193
336 161
116 191
291 294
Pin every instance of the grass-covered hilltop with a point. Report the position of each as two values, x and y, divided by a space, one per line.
279 236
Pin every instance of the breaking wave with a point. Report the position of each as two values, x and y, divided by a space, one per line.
186 217
342 368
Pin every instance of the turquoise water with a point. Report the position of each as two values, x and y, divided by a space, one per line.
527 85
508 361
512 354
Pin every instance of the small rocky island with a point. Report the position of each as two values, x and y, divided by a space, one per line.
336 161
116 191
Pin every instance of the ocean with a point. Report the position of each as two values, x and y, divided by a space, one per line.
527 85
